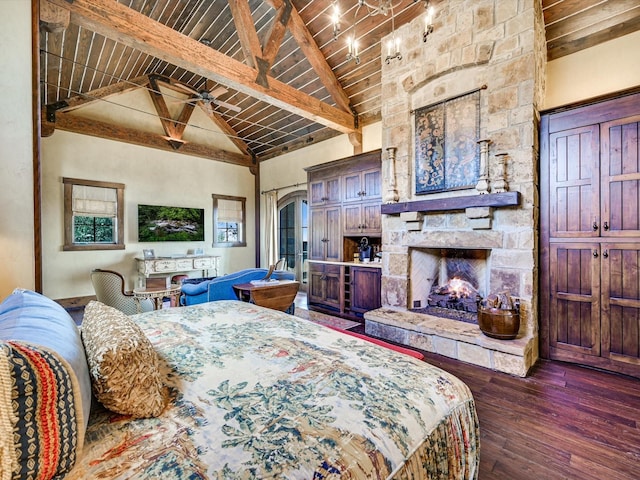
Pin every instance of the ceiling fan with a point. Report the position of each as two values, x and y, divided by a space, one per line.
209 98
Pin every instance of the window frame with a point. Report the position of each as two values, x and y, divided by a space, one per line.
69 244
242 233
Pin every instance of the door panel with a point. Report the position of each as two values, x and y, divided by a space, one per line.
575 298
573 177
621 180
621 302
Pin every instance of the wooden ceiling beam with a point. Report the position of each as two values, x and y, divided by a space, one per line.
246 30
161 109
128 27
95 128
314 55
104 92
227 130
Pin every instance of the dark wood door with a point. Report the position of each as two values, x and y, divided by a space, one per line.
620 181
325 286
333 234
574 183
575 300
365 289
621 305
317 243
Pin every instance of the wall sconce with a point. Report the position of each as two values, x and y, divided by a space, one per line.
393 49
428 22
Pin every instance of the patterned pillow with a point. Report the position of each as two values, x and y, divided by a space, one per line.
41 422
124 367
45 389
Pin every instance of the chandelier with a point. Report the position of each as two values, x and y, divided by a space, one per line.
376 7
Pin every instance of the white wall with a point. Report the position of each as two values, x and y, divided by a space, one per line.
16 150
609 67
151 177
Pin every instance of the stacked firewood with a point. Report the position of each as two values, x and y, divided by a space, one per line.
501 301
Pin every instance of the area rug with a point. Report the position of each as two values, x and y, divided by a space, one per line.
326 320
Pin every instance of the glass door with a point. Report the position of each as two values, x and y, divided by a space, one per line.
293 228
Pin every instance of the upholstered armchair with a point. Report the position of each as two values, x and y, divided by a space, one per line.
109 288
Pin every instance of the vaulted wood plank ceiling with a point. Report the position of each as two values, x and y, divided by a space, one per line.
275 61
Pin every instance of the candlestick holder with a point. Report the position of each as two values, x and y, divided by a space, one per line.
501 185
391 196
483 185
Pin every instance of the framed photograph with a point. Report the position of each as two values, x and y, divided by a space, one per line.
447 154
170 224
198 252
148 253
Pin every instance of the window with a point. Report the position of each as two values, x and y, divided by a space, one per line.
229 221
93 215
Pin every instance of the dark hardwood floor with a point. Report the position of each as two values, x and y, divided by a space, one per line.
561 422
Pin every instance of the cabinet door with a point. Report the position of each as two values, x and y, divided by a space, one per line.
326 286
352 219
620 155
372 184
317 241
334 286
325 192
365 289
574 175
574 313
621 304
333 234
371 218
352 187
316 283
363 218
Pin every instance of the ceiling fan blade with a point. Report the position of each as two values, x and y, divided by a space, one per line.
188 100
235 108
217 91
186 88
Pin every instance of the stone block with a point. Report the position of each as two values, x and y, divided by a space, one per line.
474 354
413 226
446 347
410 216
480 223
421 341
479 212
512 364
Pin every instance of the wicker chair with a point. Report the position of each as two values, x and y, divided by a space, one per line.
109 288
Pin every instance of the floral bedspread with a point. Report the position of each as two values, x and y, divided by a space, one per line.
259 394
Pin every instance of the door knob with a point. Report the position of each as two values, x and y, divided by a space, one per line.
606 226
595 254
595 226
605 254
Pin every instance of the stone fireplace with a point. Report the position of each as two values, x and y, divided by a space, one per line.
498 44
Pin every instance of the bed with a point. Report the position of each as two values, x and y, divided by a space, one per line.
255 394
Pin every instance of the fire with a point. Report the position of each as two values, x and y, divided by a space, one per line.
461 288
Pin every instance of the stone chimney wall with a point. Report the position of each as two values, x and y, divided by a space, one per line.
500 44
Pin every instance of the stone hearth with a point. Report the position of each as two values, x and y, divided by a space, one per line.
500 46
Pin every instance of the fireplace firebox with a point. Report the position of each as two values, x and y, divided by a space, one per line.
448 282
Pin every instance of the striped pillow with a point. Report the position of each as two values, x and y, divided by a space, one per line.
41 420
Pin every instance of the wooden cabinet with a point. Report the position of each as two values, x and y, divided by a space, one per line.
345 200
326 287
590 235
362 186
365 289
325 233
325 191
362 219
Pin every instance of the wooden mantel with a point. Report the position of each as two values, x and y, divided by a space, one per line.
506 199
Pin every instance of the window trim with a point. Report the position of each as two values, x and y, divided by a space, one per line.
68 215
243 233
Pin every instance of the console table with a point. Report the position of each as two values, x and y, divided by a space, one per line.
149 266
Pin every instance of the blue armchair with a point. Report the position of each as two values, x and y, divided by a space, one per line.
221 288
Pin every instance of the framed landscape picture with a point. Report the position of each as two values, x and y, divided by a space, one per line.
170 224
446 134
